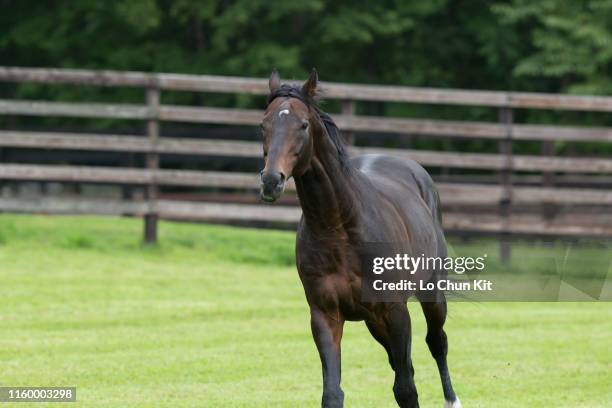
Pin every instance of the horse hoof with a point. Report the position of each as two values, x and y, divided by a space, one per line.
453 404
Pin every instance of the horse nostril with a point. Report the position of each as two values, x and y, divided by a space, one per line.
272 180
272 185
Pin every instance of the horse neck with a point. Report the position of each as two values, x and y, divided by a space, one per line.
329 190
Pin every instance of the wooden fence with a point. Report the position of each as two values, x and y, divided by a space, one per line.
505 196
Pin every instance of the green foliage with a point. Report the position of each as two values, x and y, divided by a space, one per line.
523 45
570 42
468 44
389 41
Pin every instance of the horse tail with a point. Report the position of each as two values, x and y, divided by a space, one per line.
430 195
433 202
427 189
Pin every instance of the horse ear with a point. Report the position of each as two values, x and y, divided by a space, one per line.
310 86
274 81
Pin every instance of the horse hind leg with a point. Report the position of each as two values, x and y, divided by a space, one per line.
435 315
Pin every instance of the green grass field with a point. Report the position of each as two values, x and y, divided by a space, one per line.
216 317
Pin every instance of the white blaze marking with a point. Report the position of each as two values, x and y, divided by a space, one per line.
283 112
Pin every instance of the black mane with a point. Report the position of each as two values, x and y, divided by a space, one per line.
294 91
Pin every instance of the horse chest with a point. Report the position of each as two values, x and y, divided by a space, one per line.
333 285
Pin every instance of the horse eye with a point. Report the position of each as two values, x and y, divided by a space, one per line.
304 125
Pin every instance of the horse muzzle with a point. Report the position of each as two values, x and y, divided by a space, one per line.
272 185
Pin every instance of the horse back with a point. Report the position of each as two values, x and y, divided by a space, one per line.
389 173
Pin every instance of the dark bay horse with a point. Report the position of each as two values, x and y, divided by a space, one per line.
345 203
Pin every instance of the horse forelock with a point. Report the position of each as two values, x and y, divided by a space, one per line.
291 91
294 91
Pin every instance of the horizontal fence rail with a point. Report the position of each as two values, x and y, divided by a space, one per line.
253 149
228 84
591 225
223 116
450 192
501 194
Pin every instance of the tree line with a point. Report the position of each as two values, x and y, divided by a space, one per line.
523 45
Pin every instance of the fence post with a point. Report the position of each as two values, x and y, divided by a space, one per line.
150 218
505 149
348 109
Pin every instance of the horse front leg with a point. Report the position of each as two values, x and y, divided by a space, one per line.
327 334
392 329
